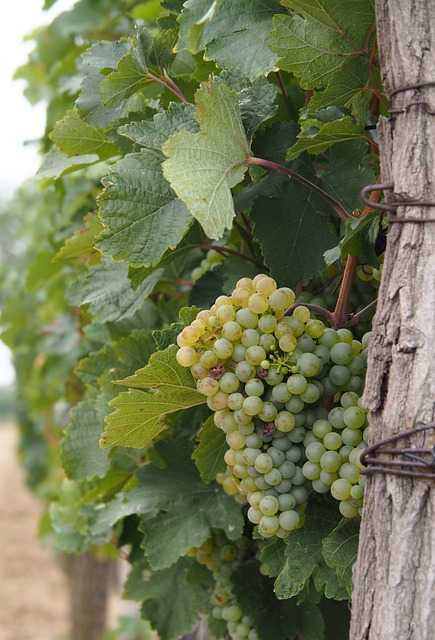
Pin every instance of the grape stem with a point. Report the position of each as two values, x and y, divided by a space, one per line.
268 164
285 95
340 317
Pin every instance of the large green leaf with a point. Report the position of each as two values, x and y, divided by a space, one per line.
130 75
107 289
325 46
304 557
153 133
203 167
347 173
209 454
340 550
139 416
256 98
235 33
168 602
141 213
82 457
80 244
56 163
189 509
293 231
317 136
74 137
274 618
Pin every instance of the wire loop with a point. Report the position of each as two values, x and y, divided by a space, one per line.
420 462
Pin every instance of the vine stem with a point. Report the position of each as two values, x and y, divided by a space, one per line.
339 317
169 85
268 164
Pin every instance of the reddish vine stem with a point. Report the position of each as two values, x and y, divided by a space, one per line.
340 317
173 89
268 164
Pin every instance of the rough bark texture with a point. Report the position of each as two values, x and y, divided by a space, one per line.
394 593
90 580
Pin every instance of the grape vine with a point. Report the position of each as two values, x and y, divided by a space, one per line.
189 300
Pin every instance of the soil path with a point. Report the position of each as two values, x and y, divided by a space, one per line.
33 596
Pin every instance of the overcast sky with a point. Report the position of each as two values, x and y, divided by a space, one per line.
20 121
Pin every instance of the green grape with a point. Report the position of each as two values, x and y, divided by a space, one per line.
280 393
252 405
297 383
229 383
341 353
235 401
330 461
351 437
263 463
295 405
245 371
250 338
311 470
273 477
223 348
255 355
309 365
254 387
289 520
311 394
321 428
354 417
332 441
247 318
340 489
314 451
267 323
232 331
339 375
349 472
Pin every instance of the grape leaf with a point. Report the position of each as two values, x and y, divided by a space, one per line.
235 34
293 231
188 507
105 54
209 454
326 47
256 99
143 218
340 550
304 557
56 163
139 416
74 137
107 289
316 136
360 238
154 133
202 167
347 173
81 243
131 73
82 458
169 586
274 618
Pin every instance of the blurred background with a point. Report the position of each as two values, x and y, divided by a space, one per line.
22 125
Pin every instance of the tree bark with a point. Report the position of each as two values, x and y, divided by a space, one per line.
394 578
90 581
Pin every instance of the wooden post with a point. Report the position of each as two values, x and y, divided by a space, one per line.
394 578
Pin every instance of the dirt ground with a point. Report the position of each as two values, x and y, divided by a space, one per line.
33 596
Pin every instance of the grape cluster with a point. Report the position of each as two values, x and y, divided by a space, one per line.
222 558
286 391
211 260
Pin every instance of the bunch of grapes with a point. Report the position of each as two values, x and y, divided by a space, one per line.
286 391
211 260
222 558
